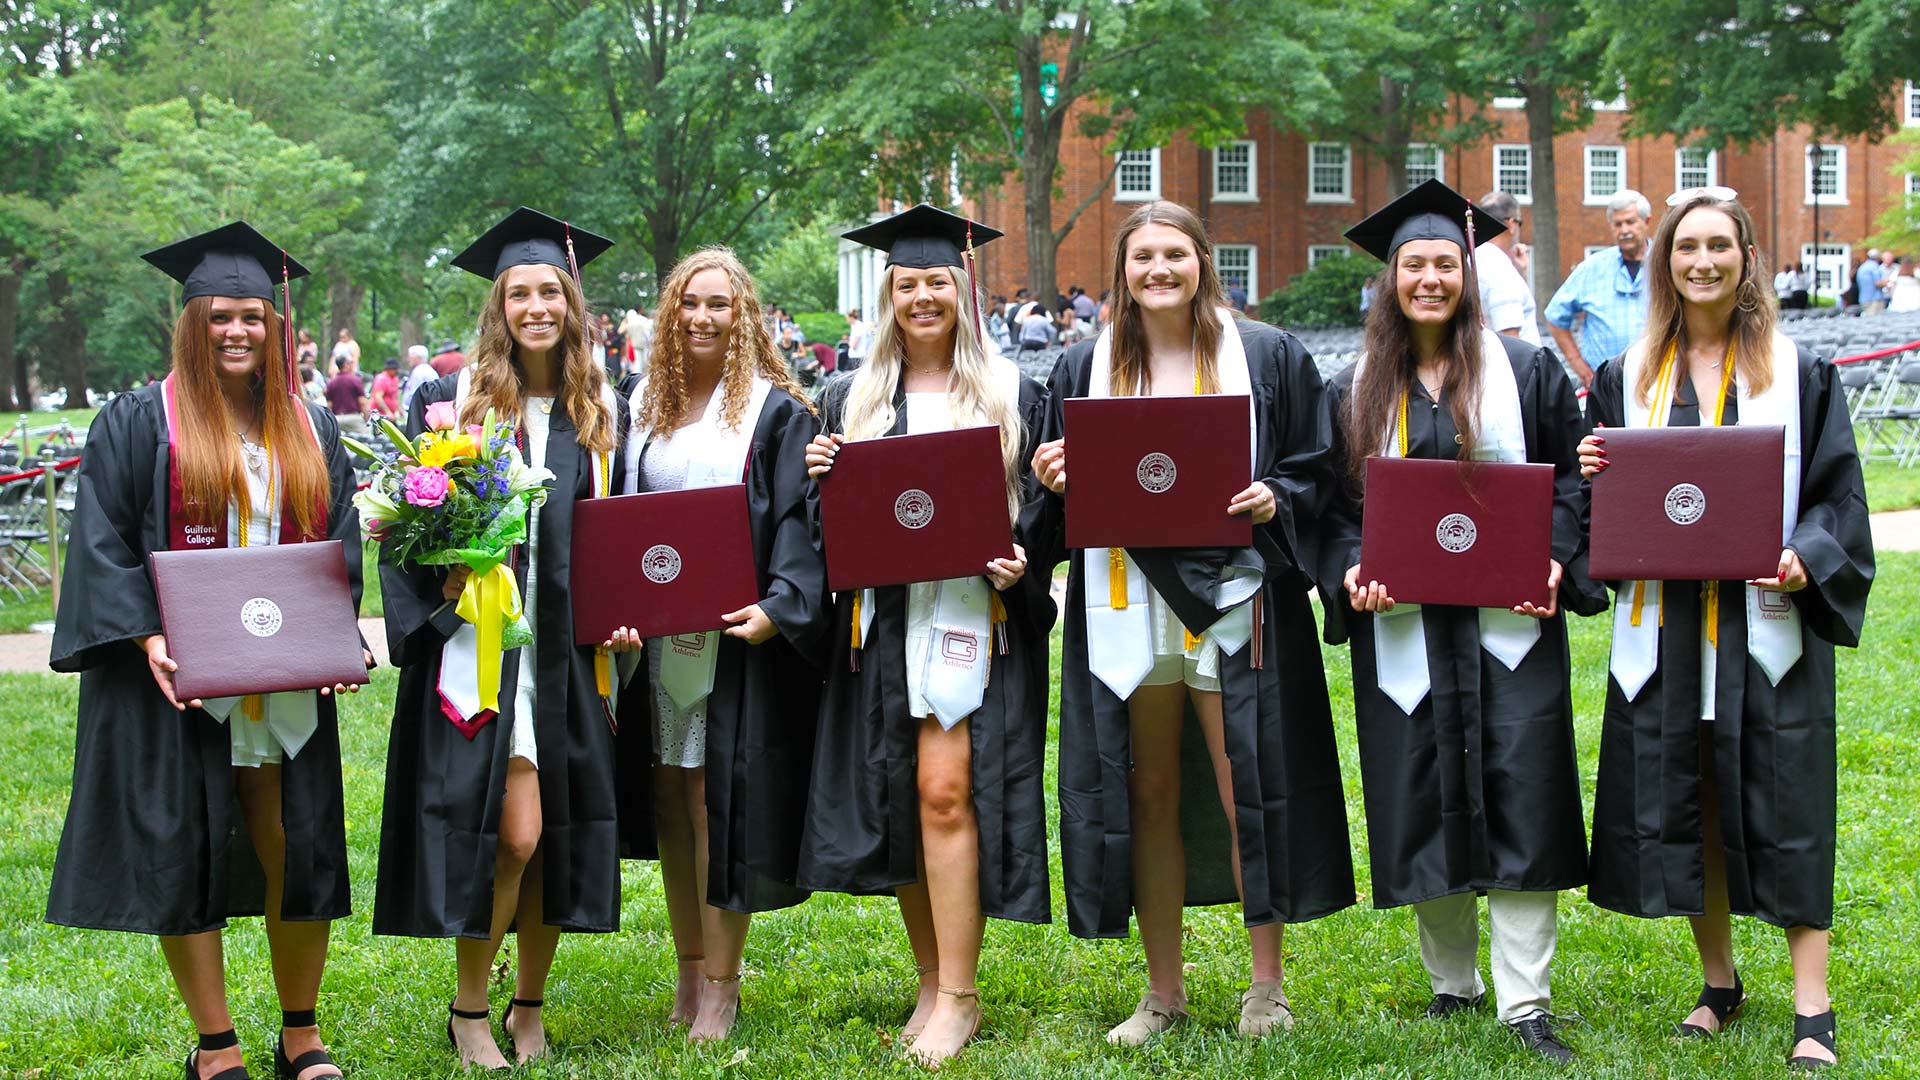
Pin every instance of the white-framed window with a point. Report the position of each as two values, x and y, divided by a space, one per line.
1606 171
1513 171
1317 252
1329 172
1832 266
1508 102
1913 183
1827 178
1425 162
1911 114
1139 177
1613 104
1236 266
1695 167
1235 178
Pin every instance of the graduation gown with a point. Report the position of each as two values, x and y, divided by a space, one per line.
1289 805
1479 788
154 840
766 697
441 816
1773 746
863 812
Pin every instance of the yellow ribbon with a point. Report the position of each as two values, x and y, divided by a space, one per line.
489 601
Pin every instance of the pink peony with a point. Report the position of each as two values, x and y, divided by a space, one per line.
426 486
479 435
441 416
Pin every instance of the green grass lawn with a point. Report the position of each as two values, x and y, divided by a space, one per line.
828 979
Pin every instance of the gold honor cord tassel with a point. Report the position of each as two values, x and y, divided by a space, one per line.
1710 591
1117 579
1401 434
1187 640
998 621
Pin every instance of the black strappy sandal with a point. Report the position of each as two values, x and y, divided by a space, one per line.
464 1014
1724 1002
1818 1028
219 1040
290 1069
506 1018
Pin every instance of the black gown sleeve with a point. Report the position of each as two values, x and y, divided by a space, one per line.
106 596
1035 586
343 518
1301 429
1555 426
1338 544
1832 536
418 617
1043 521
797 595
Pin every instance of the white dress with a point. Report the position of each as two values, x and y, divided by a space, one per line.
537 421
679 738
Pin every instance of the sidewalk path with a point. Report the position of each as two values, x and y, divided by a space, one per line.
1897 530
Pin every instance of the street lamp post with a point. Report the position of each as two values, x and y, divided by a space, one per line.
1813 163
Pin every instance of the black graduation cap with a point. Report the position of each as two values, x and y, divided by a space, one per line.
1431 211
528 237
233 260
923 237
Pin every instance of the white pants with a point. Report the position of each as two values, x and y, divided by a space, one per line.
1522 941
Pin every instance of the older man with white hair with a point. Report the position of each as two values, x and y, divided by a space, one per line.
1506 300
1606 293
419 374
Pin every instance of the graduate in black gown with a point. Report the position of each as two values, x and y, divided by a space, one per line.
508 820
185 814
927 776
1465 715
1716 791
718 727
1208 774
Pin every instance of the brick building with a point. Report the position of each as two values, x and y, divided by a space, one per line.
1277 201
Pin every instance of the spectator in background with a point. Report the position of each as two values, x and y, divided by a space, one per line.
639 332
1606 293
1869 280
859 339
345 348
1506 303
313 385
1084 309
1069 328
598 330
1237 296
997 325
1783 285
307 351
449 359
1105 317
419 374
386 390
793 350
1036 330
347 397
1903 289
616 350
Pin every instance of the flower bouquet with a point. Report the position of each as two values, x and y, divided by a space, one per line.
453 497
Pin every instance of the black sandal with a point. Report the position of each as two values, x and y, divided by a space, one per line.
219 1040
1818 1028
290 1069
1724 1002
463 1014
506 1018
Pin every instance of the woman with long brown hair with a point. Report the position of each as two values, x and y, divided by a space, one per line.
1464 715
927 772
1178 706
719 726
506 820
1716 792
222 453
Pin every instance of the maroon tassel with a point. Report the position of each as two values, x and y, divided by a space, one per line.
286 329
853 659
1259 628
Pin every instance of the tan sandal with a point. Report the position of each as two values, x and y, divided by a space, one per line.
1264 1009
1151 1017
912 1030
932 1061
674 1018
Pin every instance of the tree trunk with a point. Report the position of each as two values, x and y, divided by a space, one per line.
1395 133
413 331
1545 260
13 375
343 310
71 338
1039 158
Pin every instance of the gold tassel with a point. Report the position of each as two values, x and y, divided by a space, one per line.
1711 592
856 621
1639 597
998 620
254 707
1188 641
1117 579
603 671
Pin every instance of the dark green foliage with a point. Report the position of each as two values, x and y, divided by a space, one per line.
1327 295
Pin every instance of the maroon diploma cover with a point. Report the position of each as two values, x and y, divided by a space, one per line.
1157 471
1688 504
662 563
908 508
1435 533
258 620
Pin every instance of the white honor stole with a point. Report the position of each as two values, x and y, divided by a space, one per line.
959 628
1120 625
1773 622
1400 635
717 455
288 718
460 656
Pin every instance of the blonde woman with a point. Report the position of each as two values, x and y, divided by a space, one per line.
1715 793
720 725
1171 725
507 820
927 781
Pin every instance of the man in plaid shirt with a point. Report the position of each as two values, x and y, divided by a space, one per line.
1607 292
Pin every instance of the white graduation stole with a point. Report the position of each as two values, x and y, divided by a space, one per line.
288 718
1773 622
1400 635
960 626
460 657
718 456
1120 627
